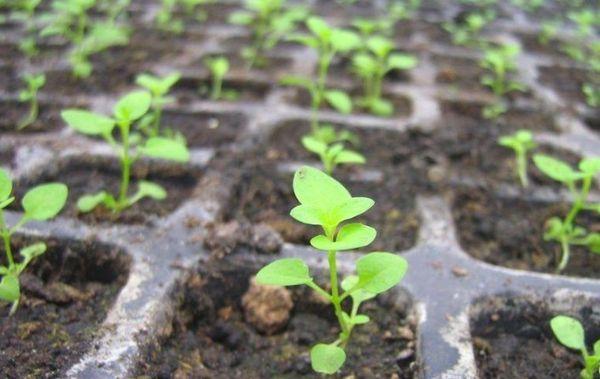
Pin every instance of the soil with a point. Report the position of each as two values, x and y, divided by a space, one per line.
9 80
61 82
210 339
66 294
7 156
463 72
189 89
13 112
89 176
402 104
508 232
277 66
514 341
205 129
531 43
567 81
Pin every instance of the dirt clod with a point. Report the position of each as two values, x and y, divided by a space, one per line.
267 308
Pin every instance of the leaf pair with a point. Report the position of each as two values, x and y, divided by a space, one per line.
570 333
331 155
562 172
145 189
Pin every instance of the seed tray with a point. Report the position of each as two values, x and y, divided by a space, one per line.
451 298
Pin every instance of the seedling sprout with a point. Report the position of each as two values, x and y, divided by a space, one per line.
40 203
327 203
569 332
521 143
218 67
158 87
30 94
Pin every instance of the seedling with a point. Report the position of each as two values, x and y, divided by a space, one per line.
167 20
373 66
24 11
129 146
331 154
529 5
40 203
30 94
328 42
218 67
548 31
270 21
592 94
159 88
326 203
500 63
467 32
579 183
521 143
570 333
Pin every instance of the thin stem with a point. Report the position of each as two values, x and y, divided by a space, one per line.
522 168
157 119
566 252
335 296
319 290
6 237
217 87
125 166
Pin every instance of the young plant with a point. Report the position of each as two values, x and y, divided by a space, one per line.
467 32
24 11
40 203
129 147
579 182
270 21
521 143
218 67
548 31
372 66
30 94
164 17
328 42
569 332
159 88
331 153
326 203
529 5
592 94
500 62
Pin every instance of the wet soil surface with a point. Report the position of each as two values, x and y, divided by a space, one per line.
191 89
209 337
66 294
89 177
515 341
13 112
205 129
567 81
508 232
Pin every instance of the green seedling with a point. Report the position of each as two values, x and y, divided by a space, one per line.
592 94
71 20
332 154
129 147
372 66
468 31
328 42
219 67
500 62
548 31
521 143
159 88
167 20
579 182
569 332
270 21
367 28
529 5
40 203
30 94
403 10
326 203
24 11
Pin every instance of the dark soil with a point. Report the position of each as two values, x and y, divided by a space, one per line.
66 294
89 176
9 80
7 156
210 339
513 340
567 81
463 72
13 112
402 104
63 83
531 43
276 66
508 232
205 129
190 89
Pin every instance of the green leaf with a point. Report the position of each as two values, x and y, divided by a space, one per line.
218 66
350 237
307 215
555 168
9 288
318 190
314 145
152 190
296 81
284 272
358 295
157 85
31 252
45 201
569 332
352 207
165 148
241 18
379 271
318 27
88 202
6 185
132 106
339 100
381 107
87 122
349 156
344 40
327 359
6 203
360 319
401 62
590 166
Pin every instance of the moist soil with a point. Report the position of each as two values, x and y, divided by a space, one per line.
89 177
66 294
276 65
566 80
190 89
14 111
463 72
209 337
402 105
205 129
508 232
515 341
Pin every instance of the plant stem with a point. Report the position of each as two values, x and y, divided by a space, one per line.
125 166
157 118
566 253
6 237
217 87
335 296
522 168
